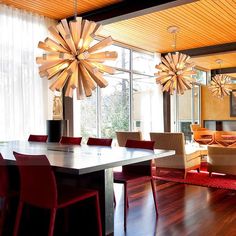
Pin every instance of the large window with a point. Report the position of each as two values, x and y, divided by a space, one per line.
143 63
131 101
187 106
123 59
201 76
147 110
85 116
115 105
187 111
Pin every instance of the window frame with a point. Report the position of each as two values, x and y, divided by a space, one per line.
131 73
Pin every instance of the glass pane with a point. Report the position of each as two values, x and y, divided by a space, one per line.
196 93
123 59
188 111
143 63
85 116
185 114
115 105
201 76
147 105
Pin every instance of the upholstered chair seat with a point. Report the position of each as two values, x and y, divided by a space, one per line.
221 159
183 160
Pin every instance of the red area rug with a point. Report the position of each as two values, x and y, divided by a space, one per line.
200 179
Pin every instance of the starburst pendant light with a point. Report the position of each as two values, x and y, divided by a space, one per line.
219 85
175 70
72 61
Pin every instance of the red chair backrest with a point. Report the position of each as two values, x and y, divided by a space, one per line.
38 138
99 141
142 168
4 181
140 144
70 140
37 180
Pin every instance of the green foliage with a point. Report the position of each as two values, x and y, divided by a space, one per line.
115 111
200 76
88 117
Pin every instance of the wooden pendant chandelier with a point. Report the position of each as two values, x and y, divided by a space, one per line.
72 61
175 73
175 70
219 86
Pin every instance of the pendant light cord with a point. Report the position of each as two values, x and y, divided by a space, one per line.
75 9
174 40
219 63
173 30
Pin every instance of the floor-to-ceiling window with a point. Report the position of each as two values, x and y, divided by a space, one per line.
131 101
186 107
85 116
115 104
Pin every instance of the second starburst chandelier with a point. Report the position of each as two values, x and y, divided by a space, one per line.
71 61
219 85
175 70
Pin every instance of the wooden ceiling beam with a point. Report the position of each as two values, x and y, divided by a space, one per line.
228 70
127 9
215 49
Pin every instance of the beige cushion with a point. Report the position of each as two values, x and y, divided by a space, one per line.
193 160
193 155
222 159
181 159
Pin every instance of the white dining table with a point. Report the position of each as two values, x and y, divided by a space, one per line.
93 164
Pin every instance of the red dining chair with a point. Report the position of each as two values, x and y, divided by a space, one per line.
38 188
38 138
4 193
70 140
99 141
136 173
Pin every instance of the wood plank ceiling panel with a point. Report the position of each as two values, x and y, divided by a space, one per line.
209 62
233 76
58 9
202 23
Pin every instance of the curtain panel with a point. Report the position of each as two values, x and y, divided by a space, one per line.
23 94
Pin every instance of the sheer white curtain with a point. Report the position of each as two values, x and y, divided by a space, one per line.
23 94
157 104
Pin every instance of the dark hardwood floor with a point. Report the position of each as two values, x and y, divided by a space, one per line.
183 210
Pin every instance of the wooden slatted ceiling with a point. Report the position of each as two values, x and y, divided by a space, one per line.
202 23
58 9
233 76
209 62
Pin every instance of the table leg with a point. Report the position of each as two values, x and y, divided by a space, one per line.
103 182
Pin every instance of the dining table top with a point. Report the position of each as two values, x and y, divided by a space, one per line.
81 159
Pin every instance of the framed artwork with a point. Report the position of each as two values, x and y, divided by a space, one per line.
233 103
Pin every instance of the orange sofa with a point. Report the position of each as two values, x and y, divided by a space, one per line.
225 138
205 137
